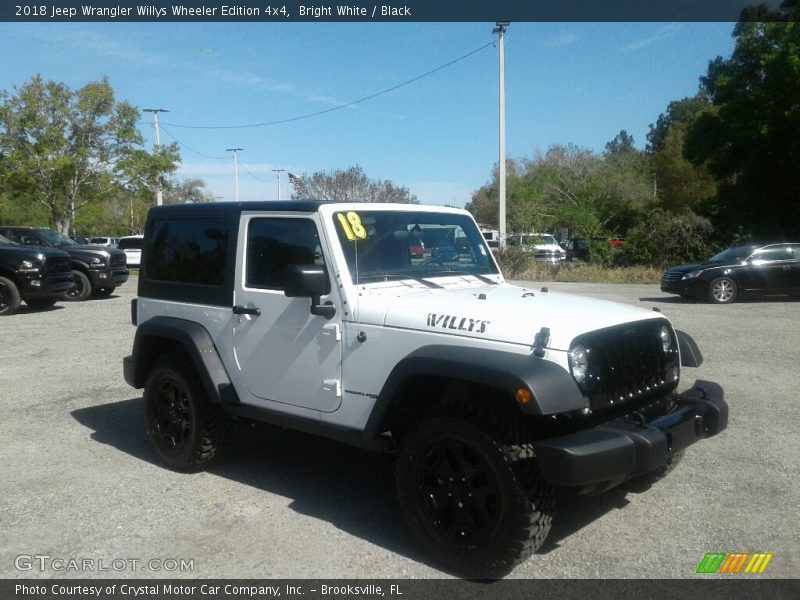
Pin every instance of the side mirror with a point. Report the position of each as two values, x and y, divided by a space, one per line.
308 281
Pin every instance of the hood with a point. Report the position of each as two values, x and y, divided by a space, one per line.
82 252
504 313
19 252
694 267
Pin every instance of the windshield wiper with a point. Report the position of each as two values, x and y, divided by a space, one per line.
387 276
483 278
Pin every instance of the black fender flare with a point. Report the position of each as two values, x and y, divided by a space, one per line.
553 389
198 344
690 351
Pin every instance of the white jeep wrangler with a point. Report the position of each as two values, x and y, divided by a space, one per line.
327 318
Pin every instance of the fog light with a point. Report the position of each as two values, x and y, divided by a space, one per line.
103 275
36 283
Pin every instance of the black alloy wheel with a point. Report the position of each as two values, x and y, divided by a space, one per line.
171 416
82 288
458 493
9 297
185 428
472 495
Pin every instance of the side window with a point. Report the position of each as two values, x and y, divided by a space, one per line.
187 251
771 254
272 244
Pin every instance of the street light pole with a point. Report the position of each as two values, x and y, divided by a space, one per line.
278 175
155 111
235 170
500 30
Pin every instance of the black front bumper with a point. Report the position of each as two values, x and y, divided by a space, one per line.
112 277
49 285
617 450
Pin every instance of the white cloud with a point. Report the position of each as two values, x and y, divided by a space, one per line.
559 40
662 34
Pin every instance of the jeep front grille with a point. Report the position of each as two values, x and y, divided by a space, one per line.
627 362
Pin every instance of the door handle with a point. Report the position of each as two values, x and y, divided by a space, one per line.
242 310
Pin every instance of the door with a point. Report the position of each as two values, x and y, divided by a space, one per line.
285 354
768 270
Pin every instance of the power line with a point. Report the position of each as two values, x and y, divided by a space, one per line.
182 145
253 176
340 107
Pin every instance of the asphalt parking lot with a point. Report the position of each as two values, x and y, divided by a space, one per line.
80 481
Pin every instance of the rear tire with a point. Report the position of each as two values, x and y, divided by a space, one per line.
185 428
81 290
9 297
475 504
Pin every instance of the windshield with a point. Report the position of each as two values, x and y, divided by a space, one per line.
55 238
735 254
130 244
381 245
5 241
533 240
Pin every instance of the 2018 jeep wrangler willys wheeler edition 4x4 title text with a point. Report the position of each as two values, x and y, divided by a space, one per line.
319 317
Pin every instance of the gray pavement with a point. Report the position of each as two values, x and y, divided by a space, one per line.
80 481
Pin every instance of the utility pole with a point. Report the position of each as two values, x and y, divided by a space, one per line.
278 175
155 111
235 170
500 30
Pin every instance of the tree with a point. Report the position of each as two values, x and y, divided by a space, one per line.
64 149
187 191
622 143
751 139
351 185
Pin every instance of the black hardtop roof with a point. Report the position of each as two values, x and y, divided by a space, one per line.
229 209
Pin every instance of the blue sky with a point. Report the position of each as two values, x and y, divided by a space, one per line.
575 83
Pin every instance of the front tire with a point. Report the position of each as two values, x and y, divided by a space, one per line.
9 297
185 428
81 290
722 290
104 292
475 505
41 303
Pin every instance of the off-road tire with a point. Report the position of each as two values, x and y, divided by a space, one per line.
722 290
664 470
9 297
104 292
81 290
41 303
508 506
187 430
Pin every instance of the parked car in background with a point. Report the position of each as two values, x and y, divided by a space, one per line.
131 245
581 248
95 270
39 276
416 248
542 246
750 270
108 242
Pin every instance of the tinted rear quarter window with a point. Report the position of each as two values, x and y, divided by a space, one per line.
190 251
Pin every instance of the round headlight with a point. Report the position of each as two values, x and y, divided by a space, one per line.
666 338
579 362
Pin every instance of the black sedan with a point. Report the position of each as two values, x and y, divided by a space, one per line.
772 269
